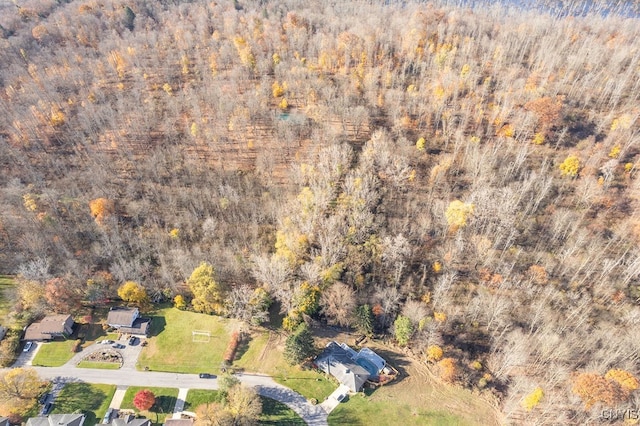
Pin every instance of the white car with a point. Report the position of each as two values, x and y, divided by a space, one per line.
27 347
106 342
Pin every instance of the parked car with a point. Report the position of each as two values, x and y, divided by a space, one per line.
47 408
206 376
108 415
118 346
27 347
107 342
44 398
341 397
132 340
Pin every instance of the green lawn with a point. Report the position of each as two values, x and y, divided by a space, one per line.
273 412
7 286
197 397
99 365
359 410
172 348
54 354
165 402
93 400
276 413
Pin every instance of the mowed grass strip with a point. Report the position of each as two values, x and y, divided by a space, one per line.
99 365
91 399
54 354
171 347
273 412
165 402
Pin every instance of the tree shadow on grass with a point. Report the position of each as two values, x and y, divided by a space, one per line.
164 404
276 413
79 397
158 323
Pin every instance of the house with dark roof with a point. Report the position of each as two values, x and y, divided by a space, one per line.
49 328
57 420
351 368
128 320
130 420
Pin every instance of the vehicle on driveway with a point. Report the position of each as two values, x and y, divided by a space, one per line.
118 346
47 408
106 342
27 347
206 376
341 397
44 398
132 340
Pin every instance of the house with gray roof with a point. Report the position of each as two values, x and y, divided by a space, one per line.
128 320
57 420
351 368
130 420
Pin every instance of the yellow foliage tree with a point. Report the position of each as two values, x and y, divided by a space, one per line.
533 399
208 295
19 389
420 144
570 166
101 208
626 380
457 213
132 292
448 369
434 353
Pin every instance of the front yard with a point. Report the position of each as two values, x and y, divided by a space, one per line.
91 399
273 412
165 402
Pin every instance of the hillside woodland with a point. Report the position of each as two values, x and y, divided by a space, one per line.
464 180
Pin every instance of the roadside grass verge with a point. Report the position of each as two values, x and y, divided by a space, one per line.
99 365
171 347
165 402
91 399
273 412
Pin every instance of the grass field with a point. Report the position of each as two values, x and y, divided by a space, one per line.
54 354
7 286
165 402
359 410
99 365
273 412
91 399
172 348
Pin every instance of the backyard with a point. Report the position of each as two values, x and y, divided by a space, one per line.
91 399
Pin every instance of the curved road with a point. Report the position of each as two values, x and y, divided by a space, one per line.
265 386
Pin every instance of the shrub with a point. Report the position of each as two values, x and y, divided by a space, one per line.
232 347
77 346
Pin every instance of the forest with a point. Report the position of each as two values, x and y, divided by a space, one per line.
459 177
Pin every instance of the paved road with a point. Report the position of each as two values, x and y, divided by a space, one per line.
265 386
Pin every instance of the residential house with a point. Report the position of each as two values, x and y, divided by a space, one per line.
50 327
128 320
130 420
57 420
351 368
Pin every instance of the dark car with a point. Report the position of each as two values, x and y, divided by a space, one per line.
118 346
44 398
132 340
47 407
206 376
